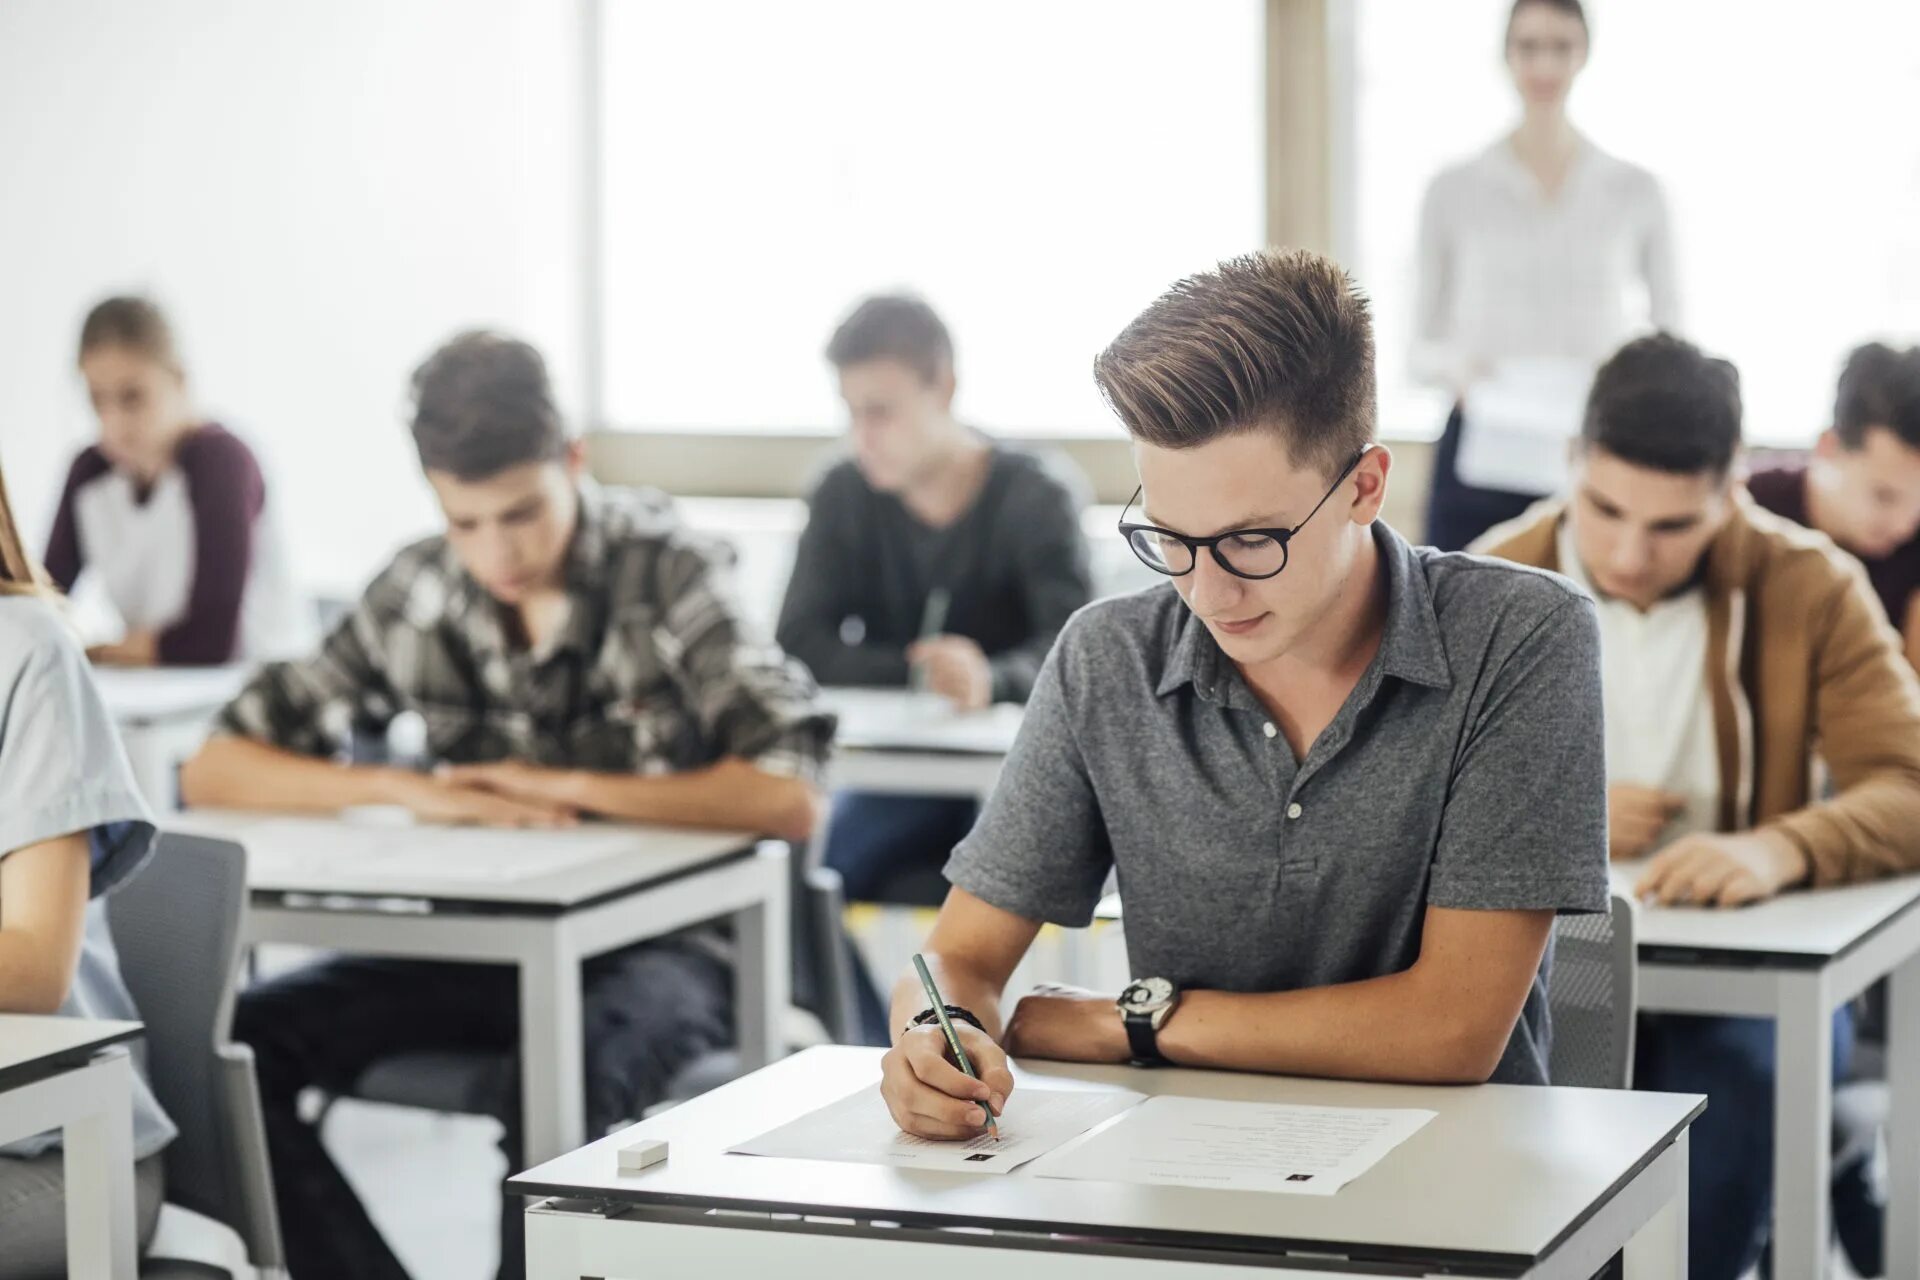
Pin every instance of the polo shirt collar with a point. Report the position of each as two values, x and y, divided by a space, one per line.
1412 649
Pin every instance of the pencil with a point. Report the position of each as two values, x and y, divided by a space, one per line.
953 1037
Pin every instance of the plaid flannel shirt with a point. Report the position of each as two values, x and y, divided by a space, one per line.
653 670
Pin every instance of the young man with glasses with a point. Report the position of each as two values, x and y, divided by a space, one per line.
1346 784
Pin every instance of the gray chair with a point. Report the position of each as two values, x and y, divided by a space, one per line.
176 926
483 1084
1592 996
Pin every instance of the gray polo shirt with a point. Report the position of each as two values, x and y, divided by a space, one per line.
1466 769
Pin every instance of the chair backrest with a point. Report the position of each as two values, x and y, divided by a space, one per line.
176 926
822 974
1592 997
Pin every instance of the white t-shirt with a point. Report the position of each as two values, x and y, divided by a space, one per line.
1659 710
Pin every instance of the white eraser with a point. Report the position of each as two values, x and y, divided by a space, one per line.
642 1154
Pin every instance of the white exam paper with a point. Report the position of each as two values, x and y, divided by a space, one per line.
1518 422
293 849
859 1130
1238 1146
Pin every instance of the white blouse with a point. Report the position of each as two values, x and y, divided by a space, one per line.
1508 273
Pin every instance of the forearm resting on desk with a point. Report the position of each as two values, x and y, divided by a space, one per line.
730 794
230 772
1445 1020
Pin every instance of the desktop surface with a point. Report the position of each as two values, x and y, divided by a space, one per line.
302 857
32 1046
1502 1172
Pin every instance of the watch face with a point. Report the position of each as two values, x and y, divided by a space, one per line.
1144 995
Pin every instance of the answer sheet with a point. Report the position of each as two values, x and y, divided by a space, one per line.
859 1130
1238 1146
317 849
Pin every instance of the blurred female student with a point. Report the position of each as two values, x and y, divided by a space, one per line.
170 512
1538 257
72 826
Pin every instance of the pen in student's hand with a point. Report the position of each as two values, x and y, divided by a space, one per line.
953 1037
933 621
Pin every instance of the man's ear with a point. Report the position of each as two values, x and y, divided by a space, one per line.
943 388
574 460
1828 446
1370 483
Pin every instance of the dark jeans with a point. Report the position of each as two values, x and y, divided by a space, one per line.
892 849
648 1010
1730 1184
1457 512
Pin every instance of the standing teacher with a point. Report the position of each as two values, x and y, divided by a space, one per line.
1537 258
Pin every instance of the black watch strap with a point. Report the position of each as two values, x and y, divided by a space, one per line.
1141 1039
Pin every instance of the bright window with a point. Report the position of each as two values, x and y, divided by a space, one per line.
1784 137
1037 171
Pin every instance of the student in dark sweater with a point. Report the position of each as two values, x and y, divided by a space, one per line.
924 506
1861 484
170 512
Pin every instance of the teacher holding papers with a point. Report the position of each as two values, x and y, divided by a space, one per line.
1538 257
1346 784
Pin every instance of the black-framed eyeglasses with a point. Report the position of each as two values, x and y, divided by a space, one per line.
1244 553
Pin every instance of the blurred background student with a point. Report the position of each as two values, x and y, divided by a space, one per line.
72 826
168 514
933 553
1533 258
1861 484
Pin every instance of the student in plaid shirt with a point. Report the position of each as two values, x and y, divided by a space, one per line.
572 653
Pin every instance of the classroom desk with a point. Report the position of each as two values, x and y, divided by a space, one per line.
1505 1181
163 714
67 1074
894 740
1796 959
460 893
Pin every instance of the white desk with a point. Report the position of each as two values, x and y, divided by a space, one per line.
894 740
1505 1181
63 1073
163 714
1796 959
458 893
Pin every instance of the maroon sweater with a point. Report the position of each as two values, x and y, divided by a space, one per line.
227 493
1782 489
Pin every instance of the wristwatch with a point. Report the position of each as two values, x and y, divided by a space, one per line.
1144 1007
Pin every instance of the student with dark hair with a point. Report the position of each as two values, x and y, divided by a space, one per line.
1532 255
1735 648
925 507
1311 887
170 512
574 653
1861 486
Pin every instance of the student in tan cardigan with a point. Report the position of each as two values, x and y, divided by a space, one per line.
1742 660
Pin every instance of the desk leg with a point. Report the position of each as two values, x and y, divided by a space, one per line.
1903 1128
553 1105
99 1174
760 975
1802 1125
1659 1250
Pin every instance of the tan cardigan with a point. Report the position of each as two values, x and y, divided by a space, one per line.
1801 663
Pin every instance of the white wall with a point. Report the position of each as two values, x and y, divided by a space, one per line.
318 193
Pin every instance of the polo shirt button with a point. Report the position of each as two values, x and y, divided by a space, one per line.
1270 731
1294 810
